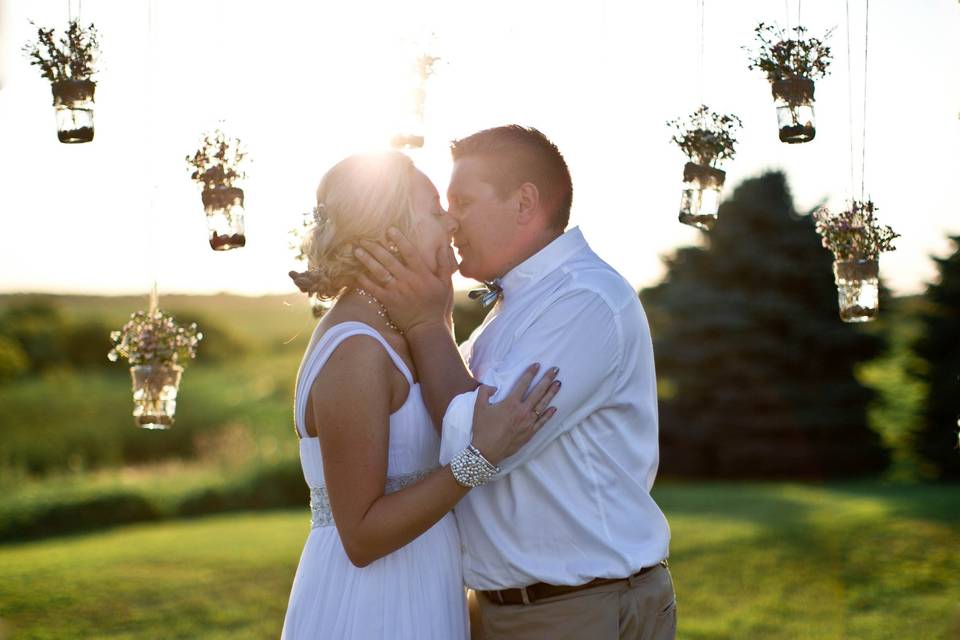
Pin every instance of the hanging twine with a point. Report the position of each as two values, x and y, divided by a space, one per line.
863 138
151 177
850 102
154 299
700 53
863 145
71 14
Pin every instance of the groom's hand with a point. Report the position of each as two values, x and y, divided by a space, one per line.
413 294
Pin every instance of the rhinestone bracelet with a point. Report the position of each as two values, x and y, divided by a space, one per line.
492 468
471 469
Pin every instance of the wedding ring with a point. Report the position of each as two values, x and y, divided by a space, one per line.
389 279
394 248
539 413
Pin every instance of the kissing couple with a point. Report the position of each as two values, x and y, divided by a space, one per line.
518 465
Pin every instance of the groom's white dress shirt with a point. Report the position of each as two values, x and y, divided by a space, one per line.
574 503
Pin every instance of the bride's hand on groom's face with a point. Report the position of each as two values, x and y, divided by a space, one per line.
411 291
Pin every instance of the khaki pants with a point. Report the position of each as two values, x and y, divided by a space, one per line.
642 609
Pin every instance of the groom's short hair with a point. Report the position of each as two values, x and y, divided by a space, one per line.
522 154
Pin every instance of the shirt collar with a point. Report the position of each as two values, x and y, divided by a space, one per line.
543 262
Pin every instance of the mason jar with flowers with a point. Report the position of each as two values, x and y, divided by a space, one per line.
706 138
791 65
856 240
216 168
157 349
68 62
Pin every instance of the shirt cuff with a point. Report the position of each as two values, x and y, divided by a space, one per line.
457 430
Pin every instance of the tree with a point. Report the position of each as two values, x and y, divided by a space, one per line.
756 369
37 326
939 347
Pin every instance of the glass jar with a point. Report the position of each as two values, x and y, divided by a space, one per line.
155 394
858 289
700 198
224 208
73 106
793 98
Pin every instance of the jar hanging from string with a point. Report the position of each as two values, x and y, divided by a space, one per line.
706 138
216 169
69 63
157 348
792 61
856 239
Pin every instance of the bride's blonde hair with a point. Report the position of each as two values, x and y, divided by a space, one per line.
359 198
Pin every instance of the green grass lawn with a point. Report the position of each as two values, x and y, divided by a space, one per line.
750 561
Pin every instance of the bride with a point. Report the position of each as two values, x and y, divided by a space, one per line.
382 559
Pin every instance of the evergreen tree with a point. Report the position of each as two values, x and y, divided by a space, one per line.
939 347
756 367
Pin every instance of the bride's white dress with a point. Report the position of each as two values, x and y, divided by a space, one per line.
416 591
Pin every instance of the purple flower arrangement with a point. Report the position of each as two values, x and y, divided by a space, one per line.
217 161
854 234
154 339
782 57
706 137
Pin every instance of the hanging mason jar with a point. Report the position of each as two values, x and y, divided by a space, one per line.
224 208
73 105
858 287
793 98
700 199
155 394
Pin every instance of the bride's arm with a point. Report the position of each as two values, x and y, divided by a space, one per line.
350 399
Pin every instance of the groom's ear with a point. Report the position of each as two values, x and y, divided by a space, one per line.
528 201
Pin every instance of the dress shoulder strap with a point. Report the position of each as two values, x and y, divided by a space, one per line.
313 362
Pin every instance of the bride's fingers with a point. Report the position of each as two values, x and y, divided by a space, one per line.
544 416
411 255
536 391
372 265
545 398
519 390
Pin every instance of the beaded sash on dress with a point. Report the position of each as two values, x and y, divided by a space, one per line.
322 516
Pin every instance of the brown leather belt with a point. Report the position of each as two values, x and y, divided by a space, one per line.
542 590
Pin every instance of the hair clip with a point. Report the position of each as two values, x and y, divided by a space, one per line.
319 213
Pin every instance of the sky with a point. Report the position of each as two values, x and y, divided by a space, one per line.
305 84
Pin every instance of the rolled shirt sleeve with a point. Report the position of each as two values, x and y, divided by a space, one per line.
457 426
579 333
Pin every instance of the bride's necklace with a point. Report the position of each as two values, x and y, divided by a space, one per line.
381 310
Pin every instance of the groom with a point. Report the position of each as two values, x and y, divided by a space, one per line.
566 541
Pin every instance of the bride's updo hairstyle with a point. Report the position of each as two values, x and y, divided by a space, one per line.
359 198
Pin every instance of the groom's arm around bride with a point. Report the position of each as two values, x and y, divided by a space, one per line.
566 541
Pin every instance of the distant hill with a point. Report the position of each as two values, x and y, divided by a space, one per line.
260 321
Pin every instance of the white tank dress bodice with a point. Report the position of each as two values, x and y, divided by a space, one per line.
414 592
